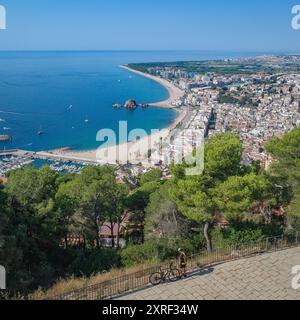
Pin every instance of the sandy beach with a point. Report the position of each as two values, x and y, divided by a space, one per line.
135 151
174 92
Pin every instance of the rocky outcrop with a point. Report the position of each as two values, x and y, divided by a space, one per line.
131 104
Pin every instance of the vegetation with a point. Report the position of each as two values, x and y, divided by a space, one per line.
226 67
228 204
244 101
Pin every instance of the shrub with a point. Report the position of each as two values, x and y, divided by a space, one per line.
237 233
88 262
135 254
160 250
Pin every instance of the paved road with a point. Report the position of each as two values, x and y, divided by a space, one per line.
263 277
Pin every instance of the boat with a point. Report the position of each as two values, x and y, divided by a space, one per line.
40 132
70 107
4 138
117 106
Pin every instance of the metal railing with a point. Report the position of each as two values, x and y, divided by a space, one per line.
137 280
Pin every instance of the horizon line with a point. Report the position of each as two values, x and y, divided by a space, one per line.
153 50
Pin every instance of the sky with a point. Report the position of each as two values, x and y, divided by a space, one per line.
221 25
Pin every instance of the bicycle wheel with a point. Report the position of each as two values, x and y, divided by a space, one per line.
155 278
174 275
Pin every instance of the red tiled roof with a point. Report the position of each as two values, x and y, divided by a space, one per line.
220 219
3 180
105 230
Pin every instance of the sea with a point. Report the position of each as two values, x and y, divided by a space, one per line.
55 99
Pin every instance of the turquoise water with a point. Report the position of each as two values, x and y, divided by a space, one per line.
38 88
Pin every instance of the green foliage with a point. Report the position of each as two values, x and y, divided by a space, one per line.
236 236
236 195
93 197
38 208
223 155
160 250
153 175
136 254
89 262
225 98
248 66
161 218
244 101
137 202
244 232
294 208
286 170
178 171
287 147
139 199
193 242
29 187
192 202
194 195
154 251
32 230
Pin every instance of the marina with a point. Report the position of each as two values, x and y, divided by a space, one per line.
4 138
16 159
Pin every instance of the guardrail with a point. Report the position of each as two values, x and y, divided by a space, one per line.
137 280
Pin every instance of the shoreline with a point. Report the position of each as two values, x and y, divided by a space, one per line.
133 151
174 92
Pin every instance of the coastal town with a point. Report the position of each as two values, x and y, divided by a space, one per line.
258 106
149 151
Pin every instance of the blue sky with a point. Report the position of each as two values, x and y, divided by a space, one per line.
227 25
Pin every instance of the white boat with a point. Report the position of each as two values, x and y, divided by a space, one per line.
40 132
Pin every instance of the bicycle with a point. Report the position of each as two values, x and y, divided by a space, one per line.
173 274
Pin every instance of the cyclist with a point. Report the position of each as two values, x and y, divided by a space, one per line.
183 261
